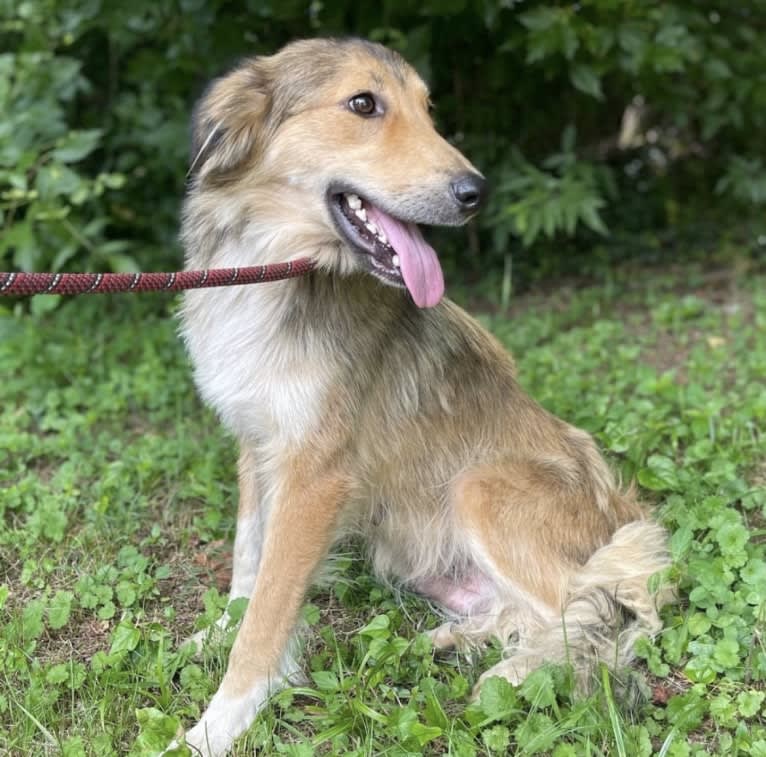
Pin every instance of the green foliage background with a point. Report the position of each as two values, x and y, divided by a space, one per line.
95 97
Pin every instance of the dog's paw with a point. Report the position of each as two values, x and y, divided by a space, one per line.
444 636
212 635
176 748
458 635
225 719
514 669
205 742
199 640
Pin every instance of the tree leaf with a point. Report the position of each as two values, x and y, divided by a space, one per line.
76 145
586 79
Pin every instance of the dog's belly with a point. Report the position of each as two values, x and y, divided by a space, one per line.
463 595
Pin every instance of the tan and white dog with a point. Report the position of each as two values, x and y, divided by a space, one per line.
364 403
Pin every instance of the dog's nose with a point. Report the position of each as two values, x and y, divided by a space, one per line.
469 190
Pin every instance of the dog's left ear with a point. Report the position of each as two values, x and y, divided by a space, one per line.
231 120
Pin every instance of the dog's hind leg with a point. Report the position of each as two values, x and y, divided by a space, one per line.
609 605
575 587
504 515
248 542
300 529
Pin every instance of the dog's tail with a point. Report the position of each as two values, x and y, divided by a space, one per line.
609 606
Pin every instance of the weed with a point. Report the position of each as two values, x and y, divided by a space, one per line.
117 502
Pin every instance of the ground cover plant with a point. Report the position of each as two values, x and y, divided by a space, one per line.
117 498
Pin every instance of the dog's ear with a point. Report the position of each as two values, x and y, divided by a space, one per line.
230 119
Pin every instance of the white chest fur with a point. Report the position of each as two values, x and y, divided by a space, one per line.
259 379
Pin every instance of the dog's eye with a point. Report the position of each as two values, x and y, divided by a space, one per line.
364 104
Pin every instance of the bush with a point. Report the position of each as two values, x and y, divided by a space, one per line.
588 117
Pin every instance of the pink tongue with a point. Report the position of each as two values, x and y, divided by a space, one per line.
420 267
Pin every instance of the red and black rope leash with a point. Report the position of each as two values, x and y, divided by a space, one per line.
16 284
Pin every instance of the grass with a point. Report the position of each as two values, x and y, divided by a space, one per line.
117 495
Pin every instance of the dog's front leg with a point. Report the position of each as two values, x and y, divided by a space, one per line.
252 514
299 531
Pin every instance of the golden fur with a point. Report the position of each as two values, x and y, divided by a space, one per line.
359 413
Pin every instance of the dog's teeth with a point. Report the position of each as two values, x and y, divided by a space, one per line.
372 228
353 202
361 214
395 260
382 236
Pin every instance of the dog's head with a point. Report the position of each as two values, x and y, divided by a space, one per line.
339 133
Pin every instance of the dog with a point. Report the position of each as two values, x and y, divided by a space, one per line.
365 403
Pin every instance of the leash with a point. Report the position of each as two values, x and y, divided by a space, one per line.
14 284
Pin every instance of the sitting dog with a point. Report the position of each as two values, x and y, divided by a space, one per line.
364 403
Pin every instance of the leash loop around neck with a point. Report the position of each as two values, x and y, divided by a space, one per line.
24 284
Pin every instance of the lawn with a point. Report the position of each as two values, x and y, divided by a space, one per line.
117 501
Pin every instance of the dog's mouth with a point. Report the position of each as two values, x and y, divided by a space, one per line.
393 251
